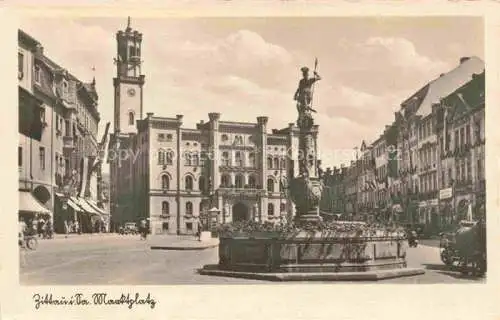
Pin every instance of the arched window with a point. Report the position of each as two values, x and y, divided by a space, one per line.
251 160
269 163
276 163
169 155
189 208
270 209
188 182
131 118
165 208
201 183
238 159
282 163
195 159
161 157
201 207
225 181
225 158
239 181
270 185
165 182
252 182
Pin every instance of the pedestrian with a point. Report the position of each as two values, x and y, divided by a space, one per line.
40 225
143 229
198 232
66 228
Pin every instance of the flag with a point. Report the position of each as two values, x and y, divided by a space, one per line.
84 175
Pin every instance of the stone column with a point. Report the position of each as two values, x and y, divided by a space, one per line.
262 151
214 144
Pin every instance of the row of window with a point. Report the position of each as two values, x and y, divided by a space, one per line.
165 208
188 183
225 182
41 157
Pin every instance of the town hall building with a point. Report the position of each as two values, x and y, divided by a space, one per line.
171 175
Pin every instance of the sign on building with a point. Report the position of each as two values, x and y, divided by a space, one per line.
445 193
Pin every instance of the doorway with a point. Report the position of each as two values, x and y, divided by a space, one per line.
240 212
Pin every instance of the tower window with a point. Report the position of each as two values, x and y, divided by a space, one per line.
132 51
131 118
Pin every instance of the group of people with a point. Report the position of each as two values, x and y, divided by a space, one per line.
34 226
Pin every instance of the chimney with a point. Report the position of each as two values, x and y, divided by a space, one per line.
442 74
179 117
463 59
202 122
150 114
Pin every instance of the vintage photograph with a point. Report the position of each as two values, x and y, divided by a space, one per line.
161 151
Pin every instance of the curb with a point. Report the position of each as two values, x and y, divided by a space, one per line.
181 248
212 270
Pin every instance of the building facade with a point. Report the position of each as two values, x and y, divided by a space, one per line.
334 199
171 175
58 123
429 163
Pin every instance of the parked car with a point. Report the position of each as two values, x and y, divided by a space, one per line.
129 228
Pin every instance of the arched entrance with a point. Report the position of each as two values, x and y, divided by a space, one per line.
240 212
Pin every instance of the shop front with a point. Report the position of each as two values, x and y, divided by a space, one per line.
31 210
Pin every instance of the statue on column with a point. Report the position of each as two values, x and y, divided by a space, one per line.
306 189
304 93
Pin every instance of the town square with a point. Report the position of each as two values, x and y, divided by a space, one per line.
202 152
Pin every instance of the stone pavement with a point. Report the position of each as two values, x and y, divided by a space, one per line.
173 242
127 260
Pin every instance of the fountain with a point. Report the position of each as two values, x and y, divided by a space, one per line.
309 248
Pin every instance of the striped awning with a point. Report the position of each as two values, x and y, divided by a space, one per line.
96 207
28 203
84 205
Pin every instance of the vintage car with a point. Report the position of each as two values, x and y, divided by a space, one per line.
465 248
129 228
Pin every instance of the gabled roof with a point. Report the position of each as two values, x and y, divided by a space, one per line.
448 83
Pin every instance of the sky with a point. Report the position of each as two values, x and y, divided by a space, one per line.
249 67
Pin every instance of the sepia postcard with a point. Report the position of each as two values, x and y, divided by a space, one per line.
168 160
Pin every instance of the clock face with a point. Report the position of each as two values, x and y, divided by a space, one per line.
131 92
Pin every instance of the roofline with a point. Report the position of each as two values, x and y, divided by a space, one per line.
25 38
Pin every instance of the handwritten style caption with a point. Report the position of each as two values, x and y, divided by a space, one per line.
96 299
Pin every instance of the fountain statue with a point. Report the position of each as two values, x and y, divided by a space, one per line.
306 189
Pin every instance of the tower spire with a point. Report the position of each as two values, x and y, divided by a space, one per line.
128 24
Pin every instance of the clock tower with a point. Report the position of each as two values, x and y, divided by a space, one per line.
129 81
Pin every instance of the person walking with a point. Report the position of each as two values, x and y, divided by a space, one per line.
198 232
143 229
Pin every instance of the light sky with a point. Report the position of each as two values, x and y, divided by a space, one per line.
245 68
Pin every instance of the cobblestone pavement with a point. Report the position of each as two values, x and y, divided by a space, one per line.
128 260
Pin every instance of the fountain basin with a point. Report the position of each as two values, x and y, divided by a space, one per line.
312 256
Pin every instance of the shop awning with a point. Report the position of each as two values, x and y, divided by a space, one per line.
73 205
69 202
84 205
96 207
28 203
